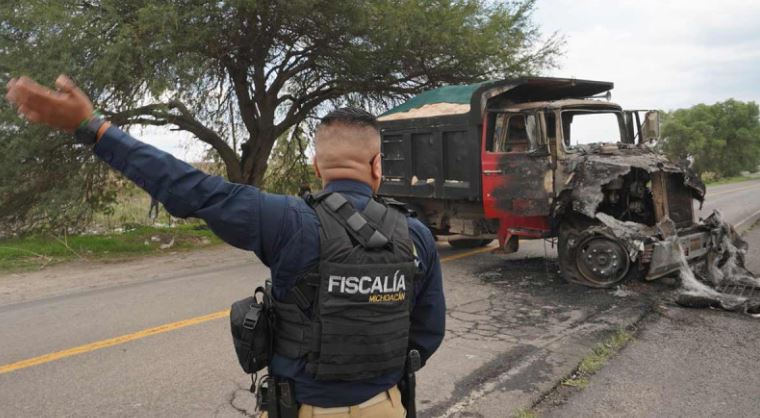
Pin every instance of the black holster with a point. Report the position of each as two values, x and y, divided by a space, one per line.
278 398
408 384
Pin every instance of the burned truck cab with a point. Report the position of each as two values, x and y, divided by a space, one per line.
538 158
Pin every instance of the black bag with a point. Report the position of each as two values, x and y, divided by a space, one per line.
251 326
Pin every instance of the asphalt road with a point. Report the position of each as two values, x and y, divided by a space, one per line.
150 338
738 202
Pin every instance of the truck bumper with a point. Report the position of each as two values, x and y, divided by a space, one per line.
669 255
665 250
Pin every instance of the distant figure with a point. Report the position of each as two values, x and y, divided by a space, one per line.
154 208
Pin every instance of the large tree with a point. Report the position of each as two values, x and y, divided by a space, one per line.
238 74
46 182
723 138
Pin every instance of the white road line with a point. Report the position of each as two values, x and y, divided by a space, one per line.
747 219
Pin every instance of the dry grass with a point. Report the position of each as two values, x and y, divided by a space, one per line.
132 209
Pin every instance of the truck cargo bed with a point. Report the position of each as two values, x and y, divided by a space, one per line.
439 159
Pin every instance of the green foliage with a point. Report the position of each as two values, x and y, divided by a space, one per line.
238 74
289 170
47 185
709 177
40 250
723 139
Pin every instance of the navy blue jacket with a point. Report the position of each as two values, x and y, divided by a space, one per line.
283 231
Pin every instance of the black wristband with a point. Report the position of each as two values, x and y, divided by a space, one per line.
88 133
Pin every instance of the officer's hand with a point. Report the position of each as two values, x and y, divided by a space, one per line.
64 109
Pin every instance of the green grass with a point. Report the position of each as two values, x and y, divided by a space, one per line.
579 382
41 250
597 359
526 413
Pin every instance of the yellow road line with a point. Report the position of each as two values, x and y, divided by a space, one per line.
709 195
466 254
97 345
46 358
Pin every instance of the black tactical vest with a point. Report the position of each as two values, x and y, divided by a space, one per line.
350 316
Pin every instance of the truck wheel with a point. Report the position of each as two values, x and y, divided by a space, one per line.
469 243
592 259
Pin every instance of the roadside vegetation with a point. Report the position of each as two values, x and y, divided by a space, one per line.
721 140
39 251
597 359
713 181
121 229
526 413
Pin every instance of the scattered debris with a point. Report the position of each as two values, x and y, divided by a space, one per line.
167 245
623 293
721 281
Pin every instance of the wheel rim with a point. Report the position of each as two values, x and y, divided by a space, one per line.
601 260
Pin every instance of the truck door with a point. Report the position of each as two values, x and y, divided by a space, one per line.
517 174
640 131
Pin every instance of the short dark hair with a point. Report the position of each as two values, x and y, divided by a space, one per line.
350 116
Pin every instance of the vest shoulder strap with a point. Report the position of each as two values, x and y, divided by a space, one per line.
401 206
367 228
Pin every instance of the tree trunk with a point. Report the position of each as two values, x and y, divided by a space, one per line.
256 157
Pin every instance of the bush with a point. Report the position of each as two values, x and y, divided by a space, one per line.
710 176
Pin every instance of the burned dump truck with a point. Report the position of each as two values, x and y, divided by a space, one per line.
537 158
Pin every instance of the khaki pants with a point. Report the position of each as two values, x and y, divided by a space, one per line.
383 405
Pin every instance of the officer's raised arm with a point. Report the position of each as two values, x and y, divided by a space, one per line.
233 211
355 282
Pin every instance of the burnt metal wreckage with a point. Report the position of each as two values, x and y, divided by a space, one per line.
541 158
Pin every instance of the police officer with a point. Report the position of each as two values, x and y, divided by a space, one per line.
367 281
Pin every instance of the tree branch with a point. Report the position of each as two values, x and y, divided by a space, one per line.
160 114
248 112
302 106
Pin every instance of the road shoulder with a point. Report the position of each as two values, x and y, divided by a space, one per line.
81 276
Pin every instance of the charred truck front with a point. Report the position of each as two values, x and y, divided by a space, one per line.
542 158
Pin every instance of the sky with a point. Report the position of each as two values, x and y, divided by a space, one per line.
664 54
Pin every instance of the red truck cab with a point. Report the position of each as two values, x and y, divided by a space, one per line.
542 158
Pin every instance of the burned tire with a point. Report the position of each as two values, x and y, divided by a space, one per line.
592 259
469 243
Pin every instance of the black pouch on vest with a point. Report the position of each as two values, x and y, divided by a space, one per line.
250 323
